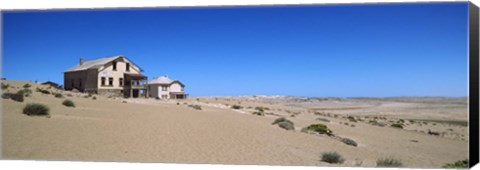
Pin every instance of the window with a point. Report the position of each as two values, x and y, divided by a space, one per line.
80 83
128 66
120 81
114 66
110 81
73 83
103 81
164 88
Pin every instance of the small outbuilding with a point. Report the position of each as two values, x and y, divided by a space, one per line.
166 88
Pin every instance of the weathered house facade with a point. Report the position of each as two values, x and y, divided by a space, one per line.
110 76
165 88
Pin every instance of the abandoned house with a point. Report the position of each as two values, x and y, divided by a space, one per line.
165 88
111 76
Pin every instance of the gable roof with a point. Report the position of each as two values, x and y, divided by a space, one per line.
164 80
96 63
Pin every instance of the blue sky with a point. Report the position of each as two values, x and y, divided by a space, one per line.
353 50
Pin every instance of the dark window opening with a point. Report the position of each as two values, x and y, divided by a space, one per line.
128 66
114 66
80 83
120 81
103 81
73 83
110 81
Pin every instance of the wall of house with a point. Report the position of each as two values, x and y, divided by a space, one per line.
108 72
153 90
91 81
161 92
176 87
84 81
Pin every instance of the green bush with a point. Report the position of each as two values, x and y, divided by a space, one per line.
397 125
95 98
349 142
35 110
458 164
17 96
389 162
319 128
236 107
332 157
68 103
27 86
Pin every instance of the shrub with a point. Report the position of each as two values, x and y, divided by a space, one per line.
332 157
281 119
319 128
323 119
198 107
397 125
287 125
351 119
68 103
349 142
43 91
35 110
69 95
236 107
6 95
58 95
259 113
389 162
284 123
27 86
376 123
94 98
5 86
261 109
26 91
17 97
458 164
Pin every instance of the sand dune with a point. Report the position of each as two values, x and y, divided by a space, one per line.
149 130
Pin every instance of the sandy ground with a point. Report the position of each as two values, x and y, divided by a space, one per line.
149 130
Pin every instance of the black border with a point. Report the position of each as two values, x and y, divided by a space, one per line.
473 83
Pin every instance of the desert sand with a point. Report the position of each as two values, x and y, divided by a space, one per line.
169 131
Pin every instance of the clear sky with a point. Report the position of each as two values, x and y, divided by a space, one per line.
374 50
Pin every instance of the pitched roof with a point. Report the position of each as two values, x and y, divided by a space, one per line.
96 63
164 80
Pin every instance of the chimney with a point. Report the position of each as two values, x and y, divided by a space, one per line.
81 61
